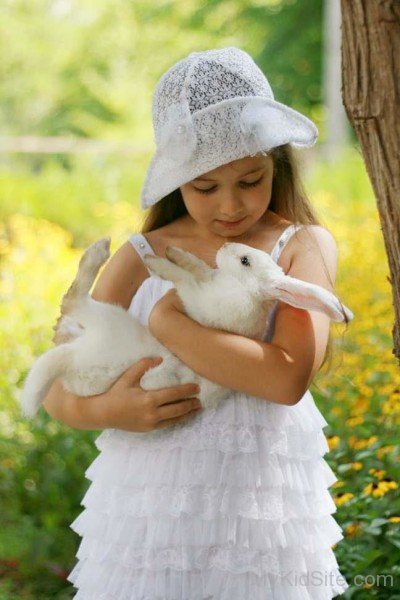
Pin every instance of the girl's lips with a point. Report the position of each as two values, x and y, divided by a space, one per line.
231 223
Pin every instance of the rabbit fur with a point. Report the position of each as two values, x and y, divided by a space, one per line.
98 341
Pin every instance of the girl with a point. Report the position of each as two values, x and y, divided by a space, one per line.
232 502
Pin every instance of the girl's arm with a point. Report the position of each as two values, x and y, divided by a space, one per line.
82 413
256 368
280 371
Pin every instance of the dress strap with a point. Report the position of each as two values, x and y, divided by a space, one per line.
283 240
141 245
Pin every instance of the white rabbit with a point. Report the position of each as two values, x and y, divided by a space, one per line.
237 296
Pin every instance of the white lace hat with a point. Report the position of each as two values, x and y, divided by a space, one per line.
209 109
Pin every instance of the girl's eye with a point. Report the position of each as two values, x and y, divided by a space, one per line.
244 184
252 184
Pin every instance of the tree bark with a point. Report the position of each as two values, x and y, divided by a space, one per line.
371 96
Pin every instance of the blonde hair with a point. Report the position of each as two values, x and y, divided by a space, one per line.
288 199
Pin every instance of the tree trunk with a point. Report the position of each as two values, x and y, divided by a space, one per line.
371 96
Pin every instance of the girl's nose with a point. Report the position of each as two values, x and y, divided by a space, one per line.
231 209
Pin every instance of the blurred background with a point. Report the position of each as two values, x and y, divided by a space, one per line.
75 139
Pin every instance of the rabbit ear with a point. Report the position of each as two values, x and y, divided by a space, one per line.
310 296
166 269
179 266
191 263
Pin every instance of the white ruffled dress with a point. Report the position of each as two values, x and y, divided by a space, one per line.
231 505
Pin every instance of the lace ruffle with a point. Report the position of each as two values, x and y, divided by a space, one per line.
117 582
226 439
113 531
208 502
210 467
233 559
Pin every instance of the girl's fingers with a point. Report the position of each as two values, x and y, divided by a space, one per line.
135 372
190 408
177 392
178 409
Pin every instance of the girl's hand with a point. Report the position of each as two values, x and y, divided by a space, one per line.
131 408
169 302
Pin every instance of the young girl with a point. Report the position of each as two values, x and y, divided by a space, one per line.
231 502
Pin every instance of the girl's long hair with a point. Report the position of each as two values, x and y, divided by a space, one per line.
288 199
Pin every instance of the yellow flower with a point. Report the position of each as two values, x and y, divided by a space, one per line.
367 585
357 466
338 484
359 444
365 390
353 529
391 405
333 441
354 421
360 406
394 519
389 483
386 389
377 490
379 473
384 450
342 498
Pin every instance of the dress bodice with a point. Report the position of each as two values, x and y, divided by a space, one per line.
153 287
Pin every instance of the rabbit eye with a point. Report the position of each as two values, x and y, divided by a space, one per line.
245 261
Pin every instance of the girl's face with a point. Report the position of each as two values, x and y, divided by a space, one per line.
239 190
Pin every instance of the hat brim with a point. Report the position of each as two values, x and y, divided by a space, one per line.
277 124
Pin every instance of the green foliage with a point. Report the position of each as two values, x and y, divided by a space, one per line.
92 66
82 199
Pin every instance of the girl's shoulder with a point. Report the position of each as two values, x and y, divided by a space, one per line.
312 250
305 239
